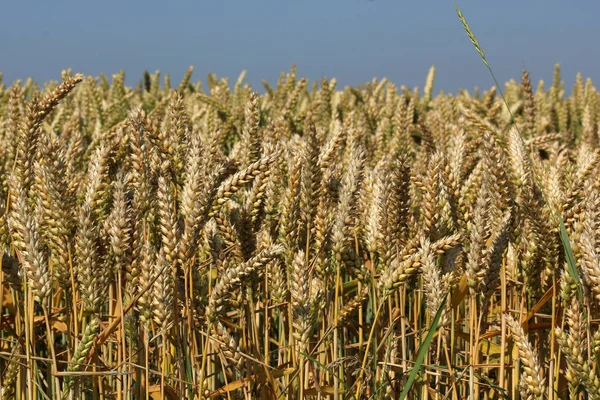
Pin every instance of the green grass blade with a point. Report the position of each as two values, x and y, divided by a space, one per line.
423 349
572 266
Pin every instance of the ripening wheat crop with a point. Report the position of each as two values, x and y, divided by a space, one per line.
209 241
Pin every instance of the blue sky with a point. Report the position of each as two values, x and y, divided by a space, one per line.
353 40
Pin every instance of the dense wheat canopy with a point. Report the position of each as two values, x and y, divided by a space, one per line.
207 240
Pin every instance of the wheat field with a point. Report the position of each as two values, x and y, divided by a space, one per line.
372 242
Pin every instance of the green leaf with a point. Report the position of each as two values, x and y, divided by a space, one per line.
423 349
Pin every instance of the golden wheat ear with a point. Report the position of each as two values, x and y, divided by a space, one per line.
208 240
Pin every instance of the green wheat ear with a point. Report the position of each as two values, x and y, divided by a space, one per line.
475 42
471 35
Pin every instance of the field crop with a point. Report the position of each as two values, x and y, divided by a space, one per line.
209 241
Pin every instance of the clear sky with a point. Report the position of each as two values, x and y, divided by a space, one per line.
353 40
